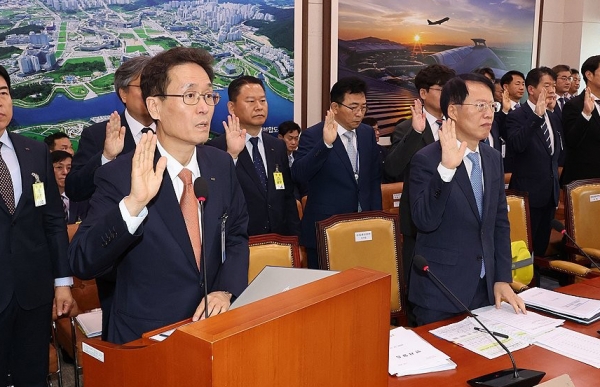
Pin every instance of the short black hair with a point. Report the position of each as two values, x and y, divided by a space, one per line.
561 67
574 71
347 85
591 64
4 74
288 126
507 78
433 75
371 121
455 91
486 71
234 87
535 75
60 155
49 140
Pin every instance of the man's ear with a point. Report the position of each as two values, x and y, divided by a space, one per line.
452 112
423 94
153 106
230 107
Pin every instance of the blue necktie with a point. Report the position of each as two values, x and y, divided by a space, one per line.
477 185
258 162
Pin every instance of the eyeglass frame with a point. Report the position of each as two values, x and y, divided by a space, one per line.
564 78
216 97
495 107
356 109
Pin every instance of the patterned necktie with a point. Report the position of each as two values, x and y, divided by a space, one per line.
189 209
477 185
517 105
351 149
6 185
561 102
65 202
547 136
258 162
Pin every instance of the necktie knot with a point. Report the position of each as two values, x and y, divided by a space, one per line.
146 130
474 157
349 135
439 123
186 176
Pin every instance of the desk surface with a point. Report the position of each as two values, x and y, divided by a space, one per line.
470 365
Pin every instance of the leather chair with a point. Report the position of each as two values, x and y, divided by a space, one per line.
520 225
369 239
390 197
272 250
54 368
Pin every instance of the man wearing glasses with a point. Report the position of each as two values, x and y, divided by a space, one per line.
535 138
459 207
145 220
564 79
338 160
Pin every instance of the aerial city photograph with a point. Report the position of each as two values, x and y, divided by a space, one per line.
62 54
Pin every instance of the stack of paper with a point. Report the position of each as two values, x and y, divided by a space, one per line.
90 322
411 355
572 344
580 309
514 330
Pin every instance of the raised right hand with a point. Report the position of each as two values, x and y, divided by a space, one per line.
588 102
540 106
452 154
235 136
145 181
418 116
115 137
330 128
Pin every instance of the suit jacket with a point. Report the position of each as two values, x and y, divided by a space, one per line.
451 235
79 184
158 281
270 210
582 139
407 142
33 241
332 187
535 169
78 211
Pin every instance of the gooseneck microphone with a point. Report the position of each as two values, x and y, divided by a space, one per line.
515 377
558 226
201 192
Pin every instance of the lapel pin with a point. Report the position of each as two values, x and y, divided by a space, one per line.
212 179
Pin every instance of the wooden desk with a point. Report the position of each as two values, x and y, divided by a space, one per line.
470 365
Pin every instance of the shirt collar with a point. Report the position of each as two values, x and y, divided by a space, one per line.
136 127
341 130
174 166
5 139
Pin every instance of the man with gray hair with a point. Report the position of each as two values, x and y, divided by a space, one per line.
103 142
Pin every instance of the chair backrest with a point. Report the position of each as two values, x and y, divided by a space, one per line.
85 293
369 239
272 250
390 197
582 211
518 217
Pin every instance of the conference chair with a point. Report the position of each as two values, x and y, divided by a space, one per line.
507 177
582 211
390 197
272 250
520 226
369 239
68 334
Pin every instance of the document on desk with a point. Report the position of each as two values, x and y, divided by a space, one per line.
515 331
410 354
575 345
580 309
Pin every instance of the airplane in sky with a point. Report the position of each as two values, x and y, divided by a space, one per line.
438 21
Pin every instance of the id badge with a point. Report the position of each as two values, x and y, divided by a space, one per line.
39 195
278 179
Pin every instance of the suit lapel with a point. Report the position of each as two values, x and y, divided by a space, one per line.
487 168
462 179
270 155
27 180
129 143
166 204
428 134
340 150
245 162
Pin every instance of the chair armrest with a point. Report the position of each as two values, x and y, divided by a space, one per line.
518 287
594 253
571 268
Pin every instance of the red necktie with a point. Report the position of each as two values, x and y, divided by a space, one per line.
189 209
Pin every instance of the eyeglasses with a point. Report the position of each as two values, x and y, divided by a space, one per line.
480 106
564 78
193 97
435 88
355 109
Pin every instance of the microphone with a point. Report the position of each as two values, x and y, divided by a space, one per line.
515 377
558 226
201 192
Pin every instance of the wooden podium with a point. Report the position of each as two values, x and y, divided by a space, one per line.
332 332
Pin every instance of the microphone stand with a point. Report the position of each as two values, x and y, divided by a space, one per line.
203 255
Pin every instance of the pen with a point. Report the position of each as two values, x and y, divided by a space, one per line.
502 335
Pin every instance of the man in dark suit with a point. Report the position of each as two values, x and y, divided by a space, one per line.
144 216
411 136
338 160
534 138
581 123
74 211
101 143
563 85
459 207
261 162
59 141
34 269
